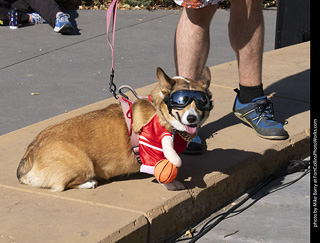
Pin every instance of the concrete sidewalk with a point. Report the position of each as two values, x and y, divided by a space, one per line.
137 209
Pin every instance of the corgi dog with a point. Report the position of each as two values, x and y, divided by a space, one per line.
75 152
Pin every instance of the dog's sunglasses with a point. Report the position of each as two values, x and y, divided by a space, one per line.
182 98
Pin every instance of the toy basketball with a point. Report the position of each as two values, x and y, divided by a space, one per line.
165 171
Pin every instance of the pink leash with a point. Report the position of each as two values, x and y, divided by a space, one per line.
126 104
112 16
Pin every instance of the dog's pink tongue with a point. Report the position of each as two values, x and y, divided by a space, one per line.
191 129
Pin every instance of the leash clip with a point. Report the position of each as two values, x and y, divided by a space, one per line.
112 86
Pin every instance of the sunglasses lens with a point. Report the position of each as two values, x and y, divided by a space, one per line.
201 99
182 98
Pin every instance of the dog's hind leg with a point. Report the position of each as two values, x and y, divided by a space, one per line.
78 176
90 184
58 166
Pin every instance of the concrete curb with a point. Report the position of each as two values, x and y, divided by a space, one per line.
133 209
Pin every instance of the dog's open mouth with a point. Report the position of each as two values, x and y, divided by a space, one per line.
191 128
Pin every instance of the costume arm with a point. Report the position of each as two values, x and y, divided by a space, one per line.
169 152
147 169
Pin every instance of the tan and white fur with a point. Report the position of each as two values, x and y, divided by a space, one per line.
73 153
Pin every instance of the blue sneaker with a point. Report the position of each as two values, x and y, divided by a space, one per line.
36 18
259 115
62 24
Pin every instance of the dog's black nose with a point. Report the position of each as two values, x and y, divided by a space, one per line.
191 118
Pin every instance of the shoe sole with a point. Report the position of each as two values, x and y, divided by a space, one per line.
237 114
65 29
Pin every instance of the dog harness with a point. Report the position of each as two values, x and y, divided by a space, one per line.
148 146
126 106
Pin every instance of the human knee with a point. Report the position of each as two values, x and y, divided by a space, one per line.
245 14
201 16
248 7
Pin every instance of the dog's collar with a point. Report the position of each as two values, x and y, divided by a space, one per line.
187 136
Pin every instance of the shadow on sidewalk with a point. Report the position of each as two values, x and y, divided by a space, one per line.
195 168
292 97
73 15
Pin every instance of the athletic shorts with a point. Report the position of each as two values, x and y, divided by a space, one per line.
196 3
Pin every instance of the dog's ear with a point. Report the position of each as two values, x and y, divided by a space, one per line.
165 82
205 77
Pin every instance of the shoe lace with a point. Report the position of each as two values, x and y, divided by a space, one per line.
265 109
64 17
37 19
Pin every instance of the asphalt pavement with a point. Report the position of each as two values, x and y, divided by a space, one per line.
44 74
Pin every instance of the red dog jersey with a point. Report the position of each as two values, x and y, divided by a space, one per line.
150 146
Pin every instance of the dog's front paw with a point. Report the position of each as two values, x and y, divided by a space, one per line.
173 186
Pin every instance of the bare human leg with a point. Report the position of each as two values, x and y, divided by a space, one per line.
246 34
192 44
192 41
